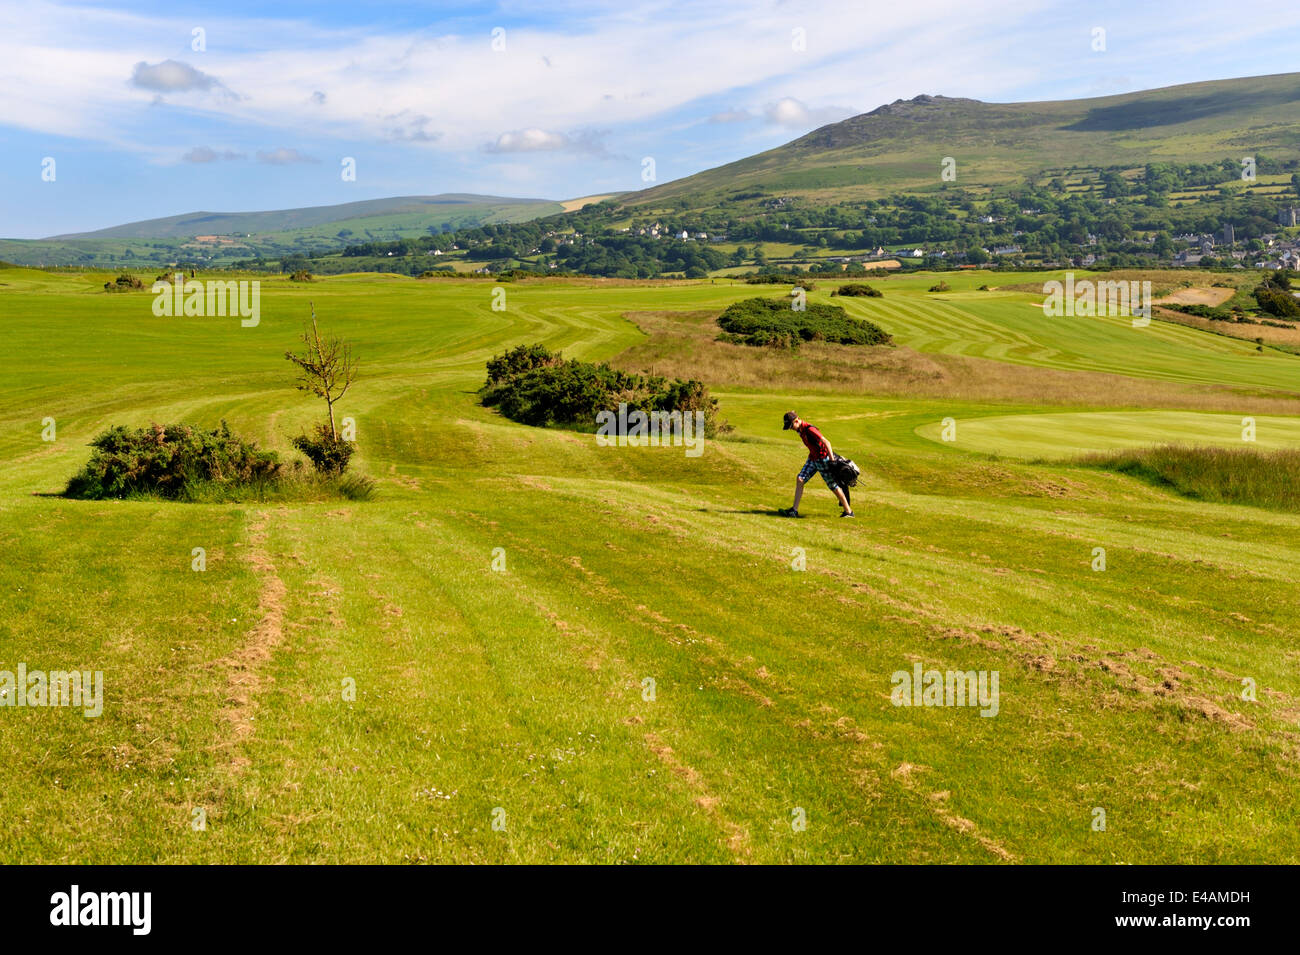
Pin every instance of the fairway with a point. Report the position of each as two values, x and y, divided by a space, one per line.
561 652
1067 435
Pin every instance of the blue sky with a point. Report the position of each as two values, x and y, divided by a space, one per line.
144 120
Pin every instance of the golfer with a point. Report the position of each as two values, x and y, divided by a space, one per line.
819 460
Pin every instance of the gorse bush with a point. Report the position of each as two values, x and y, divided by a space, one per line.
535 386
123 283
171 461
519 360
183 463
773 323
1220 475
858 288
328 453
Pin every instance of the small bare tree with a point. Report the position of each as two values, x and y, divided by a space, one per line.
327 369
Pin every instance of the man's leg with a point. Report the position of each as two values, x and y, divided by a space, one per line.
798 494
839 494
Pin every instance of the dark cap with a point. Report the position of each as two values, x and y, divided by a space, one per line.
789 420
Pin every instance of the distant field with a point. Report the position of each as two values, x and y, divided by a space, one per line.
522 694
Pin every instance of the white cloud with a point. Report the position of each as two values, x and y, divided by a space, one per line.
534 140
64 67
283 157
630 68
202 154
169 76
794 114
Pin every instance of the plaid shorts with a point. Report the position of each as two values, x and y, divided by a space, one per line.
822 467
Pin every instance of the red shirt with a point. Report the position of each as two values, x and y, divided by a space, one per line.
818 449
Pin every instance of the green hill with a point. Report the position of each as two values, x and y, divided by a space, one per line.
366 214
900 146
219 238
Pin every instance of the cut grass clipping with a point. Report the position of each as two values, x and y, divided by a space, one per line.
1218 475
774 323
182 463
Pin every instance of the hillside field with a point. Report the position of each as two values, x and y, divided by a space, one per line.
504 715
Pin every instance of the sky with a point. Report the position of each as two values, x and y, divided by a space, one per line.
112 112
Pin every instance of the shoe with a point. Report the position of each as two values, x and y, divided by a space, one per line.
788 512
847 514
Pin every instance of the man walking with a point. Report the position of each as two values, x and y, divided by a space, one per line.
819 461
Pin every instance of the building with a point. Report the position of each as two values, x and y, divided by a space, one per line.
1286 217
1229 234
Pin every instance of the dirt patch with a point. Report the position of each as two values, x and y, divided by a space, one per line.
244 678
1197 296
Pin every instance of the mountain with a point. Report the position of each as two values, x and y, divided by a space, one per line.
399 213
899 147
220 238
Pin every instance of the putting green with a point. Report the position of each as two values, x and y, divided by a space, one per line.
1069 434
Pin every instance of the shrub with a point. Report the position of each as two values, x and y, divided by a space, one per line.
123 283
1215 313
519 360
1276 301
327 453
302 275
173 461
857 288
773 323
537 387
941 287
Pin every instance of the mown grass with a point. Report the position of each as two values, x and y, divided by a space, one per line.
501 603
1222 475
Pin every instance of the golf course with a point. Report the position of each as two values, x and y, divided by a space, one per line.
526 646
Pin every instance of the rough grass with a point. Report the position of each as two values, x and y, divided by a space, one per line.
295 484
1220 475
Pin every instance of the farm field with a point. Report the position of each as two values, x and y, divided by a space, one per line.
518 695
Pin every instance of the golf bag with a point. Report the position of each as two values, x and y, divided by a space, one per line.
846 475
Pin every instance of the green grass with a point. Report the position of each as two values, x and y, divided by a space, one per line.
1225 475
1066 434
521 688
